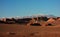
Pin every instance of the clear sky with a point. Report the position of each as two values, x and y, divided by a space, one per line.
12 8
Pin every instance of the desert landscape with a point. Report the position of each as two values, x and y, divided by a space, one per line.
29 18
30 27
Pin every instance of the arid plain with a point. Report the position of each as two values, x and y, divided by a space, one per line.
34 28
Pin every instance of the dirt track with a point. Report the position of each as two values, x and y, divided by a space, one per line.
14 30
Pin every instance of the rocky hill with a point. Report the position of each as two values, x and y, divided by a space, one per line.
35 19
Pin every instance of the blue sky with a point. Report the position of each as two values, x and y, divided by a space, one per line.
12 8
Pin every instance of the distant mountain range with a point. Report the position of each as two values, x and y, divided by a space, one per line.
38 15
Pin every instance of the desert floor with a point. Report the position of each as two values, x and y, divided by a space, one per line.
17 30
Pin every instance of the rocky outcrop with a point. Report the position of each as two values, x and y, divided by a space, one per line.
42 21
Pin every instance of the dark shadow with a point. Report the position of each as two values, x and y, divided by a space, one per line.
1 22
49 24
12 33
10 21
42 18
23 21
35 24
32 34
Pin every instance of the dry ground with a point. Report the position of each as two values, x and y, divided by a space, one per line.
16 30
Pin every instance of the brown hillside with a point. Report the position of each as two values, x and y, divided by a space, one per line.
51 20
